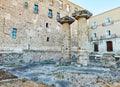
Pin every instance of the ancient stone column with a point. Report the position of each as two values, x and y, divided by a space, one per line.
82 30
66 37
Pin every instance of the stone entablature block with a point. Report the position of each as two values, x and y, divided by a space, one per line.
83 13
66 19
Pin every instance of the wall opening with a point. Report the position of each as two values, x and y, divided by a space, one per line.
96 47
14 33
109 46
46 25
48 39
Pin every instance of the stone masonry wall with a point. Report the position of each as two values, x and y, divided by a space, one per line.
33 56
32 32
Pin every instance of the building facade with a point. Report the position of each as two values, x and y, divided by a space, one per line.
104 32
32 24
30 28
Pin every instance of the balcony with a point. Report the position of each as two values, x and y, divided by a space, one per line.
108 37
94 39
93 27
104 37
106 24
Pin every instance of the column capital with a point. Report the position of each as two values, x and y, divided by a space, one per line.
83 13
66 19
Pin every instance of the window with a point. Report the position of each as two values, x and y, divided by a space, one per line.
46 25
58 15
35 8
75 9
94 25
95 35
67 8
50 13
107 21
14 31
26 4
60 3
108 33
51 2
48 39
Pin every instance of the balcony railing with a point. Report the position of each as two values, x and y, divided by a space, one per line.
106 24
108 37
104 37
93 27
94 38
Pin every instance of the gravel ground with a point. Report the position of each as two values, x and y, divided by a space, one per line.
63 76
4 75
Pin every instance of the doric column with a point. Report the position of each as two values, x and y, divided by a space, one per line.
66 37
82 30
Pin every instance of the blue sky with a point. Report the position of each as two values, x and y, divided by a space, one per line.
97 6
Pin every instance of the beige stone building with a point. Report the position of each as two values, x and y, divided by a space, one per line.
30 28
104 32
34 22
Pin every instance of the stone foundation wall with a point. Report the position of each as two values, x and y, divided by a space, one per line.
29 57
32 56
38 56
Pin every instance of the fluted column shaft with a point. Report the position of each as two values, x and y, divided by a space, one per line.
82 34
66 37
66 42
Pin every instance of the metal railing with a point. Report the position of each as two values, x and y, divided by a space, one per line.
103 37
94 39
106 24
108 37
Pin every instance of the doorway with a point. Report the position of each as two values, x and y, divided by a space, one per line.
109 46
96 48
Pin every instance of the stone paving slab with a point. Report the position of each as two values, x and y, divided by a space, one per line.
76 76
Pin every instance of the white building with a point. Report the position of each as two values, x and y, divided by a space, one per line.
104 32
